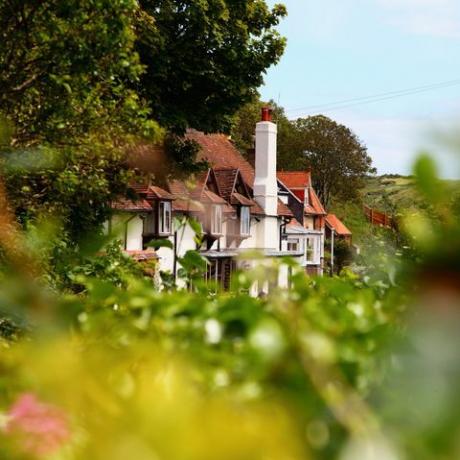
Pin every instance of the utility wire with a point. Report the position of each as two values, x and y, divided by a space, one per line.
343 104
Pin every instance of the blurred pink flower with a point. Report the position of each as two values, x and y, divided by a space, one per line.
41 428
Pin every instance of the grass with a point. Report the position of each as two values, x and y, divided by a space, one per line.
396 194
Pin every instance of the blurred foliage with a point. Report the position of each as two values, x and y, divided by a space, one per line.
351 367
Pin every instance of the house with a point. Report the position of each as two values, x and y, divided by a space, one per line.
239 209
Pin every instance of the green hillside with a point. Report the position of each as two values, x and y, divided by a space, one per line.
397 194
392 194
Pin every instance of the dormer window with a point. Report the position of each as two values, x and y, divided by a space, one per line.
245 220
164 218
216 220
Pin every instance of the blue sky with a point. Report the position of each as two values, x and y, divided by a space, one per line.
345 49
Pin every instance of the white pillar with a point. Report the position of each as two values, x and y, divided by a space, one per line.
265 182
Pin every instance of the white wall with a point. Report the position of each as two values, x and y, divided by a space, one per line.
309 222
135 229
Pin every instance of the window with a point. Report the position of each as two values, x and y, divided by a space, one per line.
311 250
216 220
245 218
293 245
164 217
149 224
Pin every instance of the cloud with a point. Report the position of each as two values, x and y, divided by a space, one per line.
438 18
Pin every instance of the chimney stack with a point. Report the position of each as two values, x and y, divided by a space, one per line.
265 182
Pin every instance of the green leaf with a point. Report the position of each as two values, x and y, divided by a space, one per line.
157 244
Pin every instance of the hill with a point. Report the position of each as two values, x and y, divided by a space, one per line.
396 194
392 194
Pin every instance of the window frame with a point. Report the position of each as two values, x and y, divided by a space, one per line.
245 221
312 250
164 218
293 242
216 220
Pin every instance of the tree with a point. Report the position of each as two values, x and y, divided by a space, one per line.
67 72
83 80
244 122
338 158
205 59
68 68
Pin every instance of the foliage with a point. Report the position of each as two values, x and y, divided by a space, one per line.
246 118
66 68
343 254
181 157
332 368
204 59
339 160
66 73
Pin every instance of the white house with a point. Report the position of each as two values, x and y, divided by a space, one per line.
240 208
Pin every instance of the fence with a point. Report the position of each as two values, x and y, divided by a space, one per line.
380 218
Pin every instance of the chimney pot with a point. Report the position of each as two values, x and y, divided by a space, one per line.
266 114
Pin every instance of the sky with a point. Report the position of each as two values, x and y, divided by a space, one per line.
341 50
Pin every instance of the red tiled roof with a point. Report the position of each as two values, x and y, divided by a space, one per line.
225 178
155 192
124 204
210 197
315 203
147 254
219 151
283 210
237 198
295 179
139 188
334 222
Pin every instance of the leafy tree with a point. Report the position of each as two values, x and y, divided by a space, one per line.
244 121
67 72
66 68
204 59
75 91
337 156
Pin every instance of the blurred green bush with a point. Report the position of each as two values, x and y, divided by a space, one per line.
364 366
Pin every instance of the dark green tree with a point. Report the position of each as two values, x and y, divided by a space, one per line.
244 122
205 59
67 73
338 158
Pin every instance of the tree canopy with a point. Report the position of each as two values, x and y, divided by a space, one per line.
205 59
338 158
82 79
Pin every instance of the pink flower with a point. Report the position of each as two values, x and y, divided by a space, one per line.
40 428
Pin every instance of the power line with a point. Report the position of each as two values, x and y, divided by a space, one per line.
347 103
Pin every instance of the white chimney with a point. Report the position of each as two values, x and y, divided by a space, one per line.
265 183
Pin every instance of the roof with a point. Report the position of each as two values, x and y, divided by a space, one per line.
124 204
295 179
295 228
220 153
225 178
155 192
314 204
147 254
283 210
238 199
334 222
